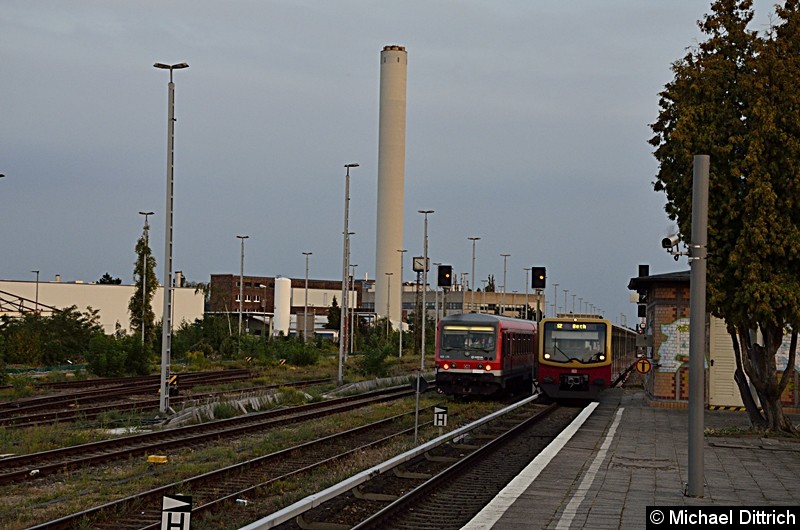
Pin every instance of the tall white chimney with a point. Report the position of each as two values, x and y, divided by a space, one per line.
391 182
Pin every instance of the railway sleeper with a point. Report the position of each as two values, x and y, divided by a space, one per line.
317 525
359 493
402 473
434 458
466 447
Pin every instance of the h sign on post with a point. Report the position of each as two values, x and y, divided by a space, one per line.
176 510
440 416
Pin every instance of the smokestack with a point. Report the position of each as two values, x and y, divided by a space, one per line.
391 181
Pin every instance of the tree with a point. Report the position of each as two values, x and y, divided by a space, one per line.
109 280
334 315
733 98
140 306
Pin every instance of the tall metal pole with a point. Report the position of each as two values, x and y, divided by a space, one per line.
388 298
144 269
400 346
473 280
697 322
424 319
264 305
166 320
527 271
503 296
436 309
241 291
353 308
484 293
565 300
305 301
36 307
555 299
345 267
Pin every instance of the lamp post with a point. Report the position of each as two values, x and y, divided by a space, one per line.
503 296
400 343
472 294
436 309
264 304
166 331
36 307
345 267
305 301
353 309
580 305
424 317
565 300
573 304
388 295
241 289
144 268
484 293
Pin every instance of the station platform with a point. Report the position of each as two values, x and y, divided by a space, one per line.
626 456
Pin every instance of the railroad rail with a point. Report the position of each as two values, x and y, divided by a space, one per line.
35 465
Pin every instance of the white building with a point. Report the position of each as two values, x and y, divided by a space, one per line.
110 300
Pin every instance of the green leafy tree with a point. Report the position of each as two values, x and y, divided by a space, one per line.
140 305
734 98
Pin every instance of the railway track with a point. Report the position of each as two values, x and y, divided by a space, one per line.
444 488
36 465
66 408
228 490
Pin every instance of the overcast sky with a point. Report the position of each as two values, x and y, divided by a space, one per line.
527 126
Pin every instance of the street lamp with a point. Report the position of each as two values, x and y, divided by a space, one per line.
241 289
565 301
424 316
472 294
345 267
166 327
305 303
36 310
484 293
400 347
144 268
503 298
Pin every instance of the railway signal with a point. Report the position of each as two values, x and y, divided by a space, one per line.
539 279
445 276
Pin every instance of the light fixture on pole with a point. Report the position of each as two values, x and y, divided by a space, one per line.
424 318
565 300
345 267
580 305
305 302
473 281
166 320
400 346
144 269
241 290
36 310
503 296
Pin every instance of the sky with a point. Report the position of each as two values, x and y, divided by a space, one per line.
527 126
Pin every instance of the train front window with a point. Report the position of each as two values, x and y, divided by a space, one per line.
569 342
463 342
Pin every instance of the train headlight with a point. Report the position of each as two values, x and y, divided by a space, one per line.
446 366
488 367
547 355
602 357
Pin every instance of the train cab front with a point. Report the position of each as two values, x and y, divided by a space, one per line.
466 378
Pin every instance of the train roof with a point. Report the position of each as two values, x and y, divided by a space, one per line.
483 318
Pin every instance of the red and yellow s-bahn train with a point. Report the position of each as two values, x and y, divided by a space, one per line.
483 354
579 357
